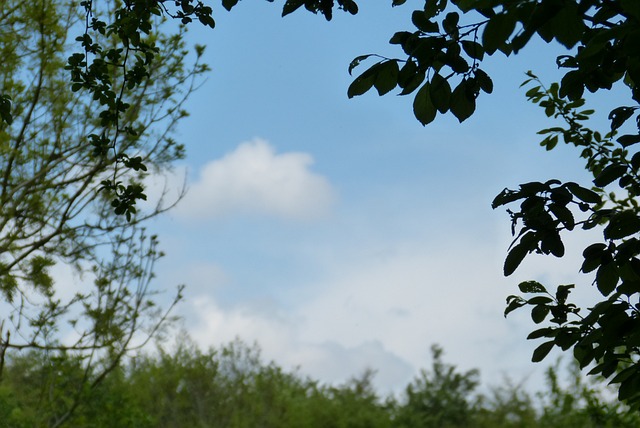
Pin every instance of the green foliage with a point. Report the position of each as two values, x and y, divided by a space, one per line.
232 386
65 174
449 45
440 398
607 335
55 157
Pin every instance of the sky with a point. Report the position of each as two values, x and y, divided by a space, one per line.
341 234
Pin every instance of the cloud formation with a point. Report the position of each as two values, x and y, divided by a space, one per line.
281 337
255 180
383 310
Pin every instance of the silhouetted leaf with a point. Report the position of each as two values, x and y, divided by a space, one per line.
473 49
542 351
497 31
440 93
513 303
618 116
629 140
540 300
423 107
386 77
291 6
531 287
229 4
485 82
568 27
584 194
622 224
610 174
607 278
461 105
362 83
542 332
539 313
356 61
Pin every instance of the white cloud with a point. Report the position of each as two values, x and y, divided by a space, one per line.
255 180
281 339
382 311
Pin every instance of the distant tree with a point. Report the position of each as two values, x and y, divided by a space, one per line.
442 397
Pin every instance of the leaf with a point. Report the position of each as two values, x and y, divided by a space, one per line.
632 7
542 332
433 7
349 6
356 61
607 278
423 107
398 2
485 82
622 224
514 304
566 338
462 106
610 174
506 197
629 387
539 313
400 38
423 23
229 4
571 85
618 116
291 6
440 93
585 195
386 77
629 140
412 83
531 287
450 23
497 31
542 351
514 258
473 49
207 20
552 243
583 354
539 300
624 374
562 292
361 84
567 25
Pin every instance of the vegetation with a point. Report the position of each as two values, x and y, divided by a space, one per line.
55 212
232 386
70 181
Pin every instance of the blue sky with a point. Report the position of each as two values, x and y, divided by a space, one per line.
341 234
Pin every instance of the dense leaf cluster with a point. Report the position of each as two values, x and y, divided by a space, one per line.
445 51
